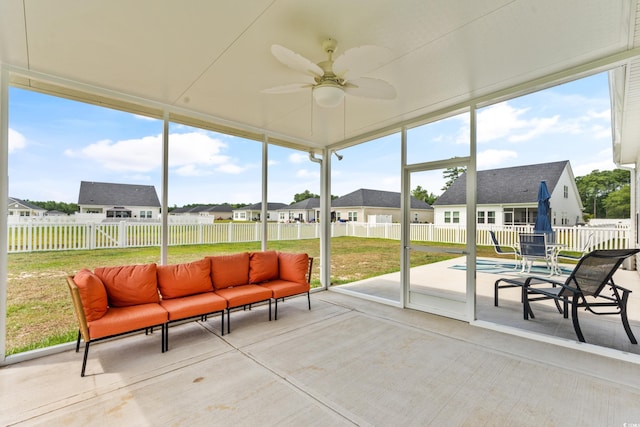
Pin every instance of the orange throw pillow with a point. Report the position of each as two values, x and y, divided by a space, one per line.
263 266
229 270
92 294
129 285
293 267
180 280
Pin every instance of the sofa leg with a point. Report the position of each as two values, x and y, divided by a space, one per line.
276 310
270 310
228 321
309 298
78 342
84 360
222 318
165 337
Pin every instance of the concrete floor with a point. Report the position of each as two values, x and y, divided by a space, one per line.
437 278
348 361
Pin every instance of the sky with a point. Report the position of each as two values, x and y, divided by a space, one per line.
55 143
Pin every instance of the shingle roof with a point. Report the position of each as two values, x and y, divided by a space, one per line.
25 204
517 184
375 198
310 203
109 194
258 206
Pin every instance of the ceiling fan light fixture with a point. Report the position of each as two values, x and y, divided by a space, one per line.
328 95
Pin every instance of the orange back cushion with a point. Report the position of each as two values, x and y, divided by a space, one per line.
230 270
293 267
92 293
129 285
263 266
180 280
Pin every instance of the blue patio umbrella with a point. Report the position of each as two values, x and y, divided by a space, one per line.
543 219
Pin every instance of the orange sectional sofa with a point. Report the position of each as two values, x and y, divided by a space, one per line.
112 301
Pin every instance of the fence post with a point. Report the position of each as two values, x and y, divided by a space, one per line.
29 237
122 234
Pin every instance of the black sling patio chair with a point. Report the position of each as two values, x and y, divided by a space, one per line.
590 286
505 250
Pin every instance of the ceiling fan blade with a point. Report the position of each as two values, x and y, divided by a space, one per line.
293 87
358 61
366 87
295 61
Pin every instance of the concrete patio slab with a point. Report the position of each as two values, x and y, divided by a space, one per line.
348 361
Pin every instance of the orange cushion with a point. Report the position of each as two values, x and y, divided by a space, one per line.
126 319
293 267
285 288
244 295
180 280
92 293
193 305
229 270
129 285
263 266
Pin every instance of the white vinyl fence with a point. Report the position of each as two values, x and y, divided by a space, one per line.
31 237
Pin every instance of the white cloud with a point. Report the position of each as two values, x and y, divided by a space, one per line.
305 173
490 159
504 121
17 140
297 158
603 163
190 154
231 169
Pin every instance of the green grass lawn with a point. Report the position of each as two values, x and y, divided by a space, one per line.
39 308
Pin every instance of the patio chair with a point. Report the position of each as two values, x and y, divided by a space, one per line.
590 286
503 250
534 247
585 250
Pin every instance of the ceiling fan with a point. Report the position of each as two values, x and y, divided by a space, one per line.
332 79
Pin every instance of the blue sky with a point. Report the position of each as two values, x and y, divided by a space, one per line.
56 143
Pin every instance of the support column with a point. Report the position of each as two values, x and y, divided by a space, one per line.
164 245
472 185
4 195
325 219
265 195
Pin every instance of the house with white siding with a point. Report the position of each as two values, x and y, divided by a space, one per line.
363 204
119 200
509 196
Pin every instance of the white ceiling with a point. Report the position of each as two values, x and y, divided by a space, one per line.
210 59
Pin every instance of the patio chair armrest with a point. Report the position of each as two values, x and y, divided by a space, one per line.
620 288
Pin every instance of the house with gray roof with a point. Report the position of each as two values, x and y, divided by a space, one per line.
21 209
364 204
254 212
307 210
509 196
119 200
223 211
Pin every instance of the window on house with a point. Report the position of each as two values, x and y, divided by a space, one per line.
456 217
491 217
447 217
566 191
282 216
353 216
481 217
